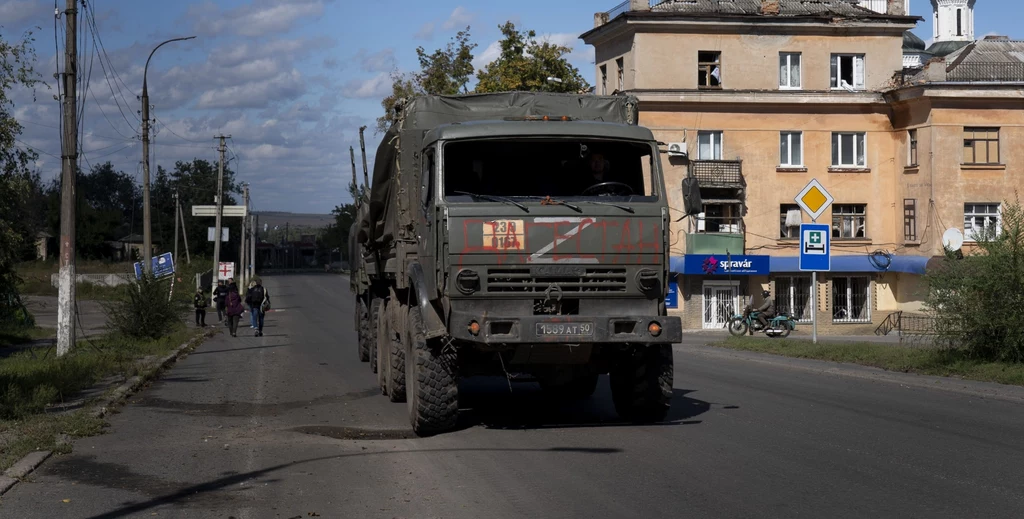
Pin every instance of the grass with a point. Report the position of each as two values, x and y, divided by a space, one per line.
925 361
15 336
32 380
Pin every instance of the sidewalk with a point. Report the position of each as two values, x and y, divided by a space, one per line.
804 334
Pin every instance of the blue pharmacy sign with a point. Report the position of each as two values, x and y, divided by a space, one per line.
672 297
163 266
726 265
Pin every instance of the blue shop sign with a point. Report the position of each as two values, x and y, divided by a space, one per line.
726 265
163 265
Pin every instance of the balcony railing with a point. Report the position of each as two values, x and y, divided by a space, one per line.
718 173
624 7
972 72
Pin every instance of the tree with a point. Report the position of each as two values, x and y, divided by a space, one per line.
443 72
195 182
978 301
16 177
526 64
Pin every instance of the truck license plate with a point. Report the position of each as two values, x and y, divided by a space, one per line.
565 329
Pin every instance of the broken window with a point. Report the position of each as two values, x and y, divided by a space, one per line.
709 69
848 71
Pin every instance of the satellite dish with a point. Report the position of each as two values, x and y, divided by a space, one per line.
953 239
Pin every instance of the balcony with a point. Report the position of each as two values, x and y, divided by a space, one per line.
717 235
718 173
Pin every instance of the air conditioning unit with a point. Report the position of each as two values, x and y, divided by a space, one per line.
677 149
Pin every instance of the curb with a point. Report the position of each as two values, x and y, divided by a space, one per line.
32 460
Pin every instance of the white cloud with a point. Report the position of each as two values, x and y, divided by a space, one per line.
489 54
377 86
459 18
15 12
254 94
426 31
257 19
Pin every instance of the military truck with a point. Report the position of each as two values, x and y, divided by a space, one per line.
519 235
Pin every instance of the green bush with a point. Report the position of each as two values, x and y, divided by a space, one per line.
144 309
978 299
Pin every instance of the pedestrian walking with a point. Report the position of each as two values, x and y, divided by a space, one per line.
253 308
234 309
220 294
200 303
259 301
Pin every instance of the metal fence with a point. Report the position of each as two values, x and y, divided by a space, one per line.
974 72
624 7
717 172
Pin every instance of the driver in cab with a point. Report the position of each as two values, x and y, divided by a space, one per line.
598 169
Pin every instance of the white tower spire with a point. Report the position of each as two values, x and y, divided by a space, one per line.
953 20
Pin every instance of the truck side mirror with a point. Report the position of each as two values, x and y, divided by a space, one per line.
692 203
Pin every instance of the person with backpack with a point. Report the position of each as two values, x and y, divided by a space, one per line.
234 309
259 302
252 306
220 294
200 303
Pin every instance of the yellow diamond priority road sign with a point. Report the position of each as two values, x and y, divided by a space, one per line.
813 199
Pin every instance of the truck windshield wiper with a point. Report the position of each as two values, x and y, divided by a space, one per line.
626 208
547 200
494 198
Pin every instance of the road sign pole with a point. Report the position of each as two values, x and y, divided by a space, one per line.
814 307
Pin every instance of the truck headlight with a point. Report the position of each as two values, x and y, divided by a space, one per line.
647 280
467 281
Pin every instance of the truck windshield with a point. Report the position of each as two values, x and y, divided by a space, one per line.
563 168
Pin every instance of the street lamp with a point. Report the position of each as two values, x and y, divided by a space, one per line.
147 233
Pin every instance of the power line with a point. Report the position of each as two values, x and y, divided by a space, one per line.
98 42
174 132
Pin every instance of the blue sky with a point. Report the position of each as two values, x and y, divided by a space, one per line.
290 80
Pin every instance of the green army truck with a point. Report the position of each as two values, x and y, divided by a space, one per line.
519 235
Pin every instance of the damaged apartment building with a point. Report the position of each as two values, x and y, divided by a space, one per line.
756 98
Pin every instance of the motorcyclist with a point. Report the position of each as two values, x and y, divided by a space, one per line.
765 311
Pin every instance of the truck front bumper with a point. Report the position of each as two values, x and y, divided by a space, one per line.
562 329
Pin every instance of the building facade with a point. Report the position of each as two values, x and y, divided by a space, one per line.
761 97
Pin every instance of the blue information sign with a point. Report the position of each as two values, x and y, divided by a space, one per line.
163 265
726 265
815 247
672 298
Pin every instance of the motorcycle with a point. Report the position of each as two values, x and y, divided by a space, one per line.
779 326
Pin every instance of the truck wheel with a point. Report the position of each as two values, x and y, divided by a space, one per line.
580 387
396 352
383 345
431 388
372 336
362 318
642 383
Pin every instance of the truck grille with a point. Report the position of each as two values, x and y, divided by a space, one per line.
522 281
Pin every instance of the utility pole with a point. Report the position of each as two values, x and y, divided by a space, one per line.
147 233
69 172
252 245
362 146
352 154
177 214
242 271
223 148
184 233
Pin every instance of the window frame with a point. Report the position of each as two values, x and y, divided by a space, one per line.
849 300
996 218
973 130
787 233
621 66
835 82
912 149
604 79
785 300
788 66
707 68
839 155
910 219
720 139
842 216
787 136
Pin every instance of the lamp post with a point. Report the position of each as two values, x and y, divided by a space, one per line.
147 233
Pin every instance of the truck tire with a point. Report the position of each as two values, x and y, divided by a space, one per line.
581 386
371 326
396 352
362 319
383 345
641 383
431 389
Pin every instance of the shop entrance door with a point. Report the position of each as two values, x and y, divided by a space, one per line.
720 303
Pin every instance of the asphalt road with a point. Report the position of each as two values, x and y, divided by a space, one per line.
291 425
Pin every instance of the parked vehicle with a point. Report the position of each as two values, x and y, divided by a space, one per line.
779 326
